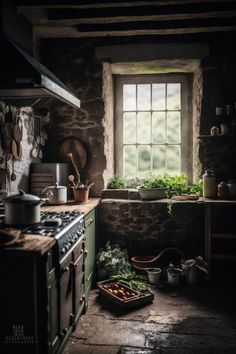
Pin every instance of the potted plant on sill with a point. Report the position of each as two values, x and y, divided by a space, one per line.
152 188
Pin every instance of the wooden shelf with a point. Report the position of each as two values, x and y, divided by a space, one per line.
224 236
220 136
223 256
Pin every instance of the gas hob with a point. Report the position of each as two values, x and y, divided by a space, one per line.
67 227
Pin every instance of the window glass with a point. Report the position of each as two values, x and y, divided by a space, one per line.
144 127
173 96
129 128
129 160
158 97
129 97
144 97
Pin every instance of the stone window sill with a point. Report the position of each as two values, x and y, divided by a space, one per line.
132 195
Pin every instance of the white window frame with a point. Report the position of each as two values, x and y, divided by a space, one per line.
186 115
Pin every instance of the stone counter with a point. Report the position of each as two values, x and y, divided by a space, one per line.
146 227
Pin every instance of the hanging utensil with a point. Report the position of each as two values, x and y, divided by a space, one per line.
13 175
17 131
16 149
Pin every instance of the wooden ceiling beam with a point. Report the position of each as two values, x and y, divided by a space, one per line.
70 13
39 17
151 25
105 3
71 32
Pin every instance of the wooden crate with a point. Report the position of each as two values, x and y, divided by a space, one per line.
41 180
136 300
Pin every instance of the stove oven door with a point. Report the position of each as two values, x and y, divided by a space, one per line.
66 290
78 261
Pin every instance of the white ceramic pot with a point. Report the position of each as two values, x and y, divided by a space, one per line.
56 194
152 193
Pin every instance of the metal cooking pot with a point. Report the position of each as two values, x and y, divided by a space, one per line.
56 194
22 209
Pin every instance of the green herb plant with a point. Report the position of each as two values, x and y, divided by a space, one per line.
112 261
134 281
176 185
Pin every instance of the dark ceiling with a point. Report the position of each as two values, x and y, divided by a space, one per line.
75 19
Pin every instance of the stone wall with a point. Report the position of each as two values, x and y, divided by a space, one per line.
147 227
75 62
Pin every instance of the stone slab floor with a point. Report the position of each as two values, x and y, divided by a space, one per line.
187 320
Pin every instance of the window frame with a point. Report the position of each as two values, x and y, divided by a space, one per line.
186 115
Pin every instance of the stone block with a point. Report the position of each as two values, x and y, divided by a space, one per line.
115 193
133 194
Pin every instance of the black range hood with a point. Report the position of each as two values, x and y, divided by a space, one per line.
21 75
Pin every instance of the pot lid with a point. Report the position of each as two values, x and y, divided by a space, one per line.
22 197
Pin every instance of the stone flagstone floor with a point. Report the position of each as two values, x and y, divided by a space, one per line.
187 320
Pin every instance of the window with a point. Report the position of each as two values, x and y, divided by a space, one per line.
153 125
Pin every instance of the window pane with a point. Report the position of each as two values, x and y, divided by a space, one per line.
129 97
129 161
173 127
173 96
144 160
173 159
129 127
158 127
144 127
144 97
159 159
158 96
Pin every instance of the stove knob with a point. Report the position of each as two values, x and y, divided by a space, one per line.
63 250
66 246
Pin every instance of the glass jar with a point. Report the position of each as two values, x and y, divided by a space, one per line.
232 188
214 131
209 184
223 190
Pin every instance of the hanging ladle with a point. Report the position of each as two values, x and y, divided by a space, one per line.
13 175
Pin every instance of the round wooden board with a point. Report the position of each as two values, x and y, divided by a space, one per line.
74 146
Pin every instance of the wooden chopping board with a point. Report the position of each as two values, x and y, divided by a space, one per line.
185 197
74 146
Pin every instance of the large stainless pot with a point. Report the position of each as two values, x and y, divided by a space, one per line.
56 194
22 209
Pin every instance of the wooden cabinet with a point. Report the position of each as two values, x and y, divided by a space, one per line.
89 265
28 303
225 234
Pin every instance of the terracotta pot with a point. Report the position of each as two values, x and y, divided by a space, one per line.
81 194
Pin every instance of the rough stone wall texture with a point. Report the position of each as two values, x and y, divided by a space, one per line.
196 105
147 227
75 65
108 122
219 79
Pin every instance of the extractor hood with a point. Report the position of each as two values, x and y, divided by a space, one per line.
21 75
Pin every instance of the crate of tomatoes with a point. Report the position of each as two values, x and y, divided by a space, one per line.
122 295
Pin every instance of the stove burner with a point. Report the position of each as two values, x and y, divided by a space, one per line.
52 222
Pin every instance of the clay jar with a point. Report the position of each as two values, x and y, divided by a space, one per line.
232 188
223 190
209 184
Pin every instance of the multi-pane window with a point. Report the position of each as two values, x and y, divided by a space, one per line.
153 125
